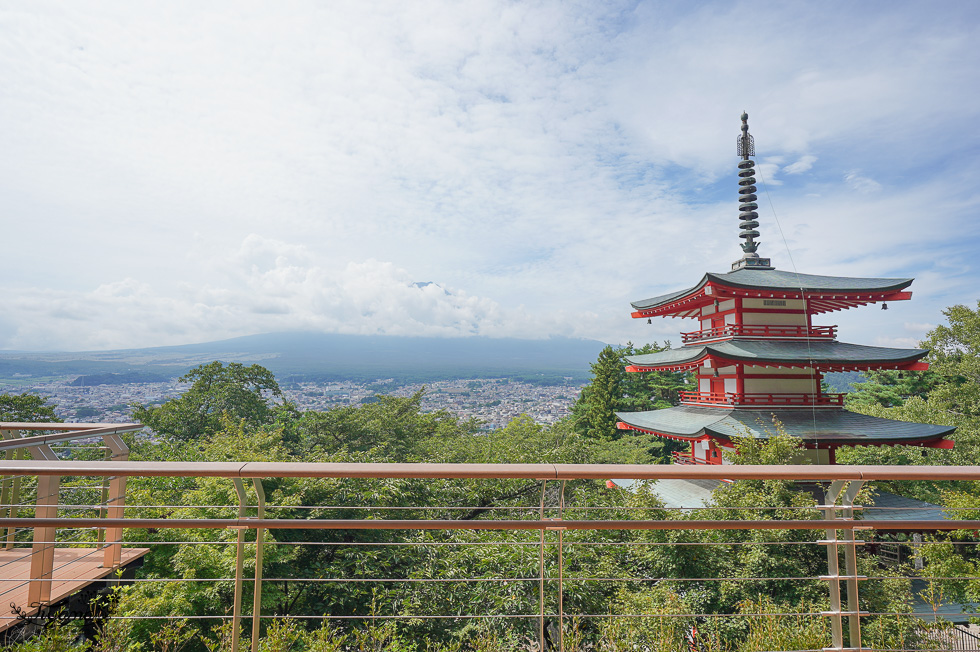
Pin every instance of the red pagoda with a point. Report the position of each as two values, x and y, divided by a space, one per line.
758 357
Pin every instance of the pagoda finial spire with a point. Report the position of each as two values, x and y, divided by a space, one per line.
747 197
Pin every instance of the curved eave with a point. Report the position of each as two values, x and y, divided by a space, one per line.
822 430
822 293
622 425
825 356
674 303
777 280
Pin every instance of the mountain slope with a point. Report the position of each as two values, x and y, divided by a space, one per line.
302 355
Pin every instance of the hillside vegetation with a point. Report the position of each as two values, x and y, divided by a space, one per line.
236 413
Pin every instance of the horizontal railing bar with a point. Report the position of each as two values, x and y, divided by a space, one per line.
434 580
484 471
272 542
564 616
435 524
59 425
567 509
70 433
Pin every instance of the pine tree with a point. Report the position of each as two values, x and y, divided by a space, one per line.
596 407
613 389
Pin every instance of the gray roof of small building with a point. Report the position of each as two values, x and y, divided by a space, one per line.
892 507
774 279
782 351
822 425
689 494
685 494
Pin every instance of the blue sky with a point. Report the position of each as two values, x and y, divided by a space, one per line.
175 172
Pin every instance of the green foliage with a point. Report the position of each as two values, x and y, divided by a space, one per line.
596 408
391 429
55 638
246 393
768 629
231 418
890 388
614 389
26 408
955 355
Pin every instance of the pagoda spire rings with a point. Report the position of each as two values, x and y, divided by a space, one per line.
748 217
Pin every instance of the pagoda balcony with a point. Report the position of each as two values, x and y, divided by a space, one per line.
686 458
761 400
762 332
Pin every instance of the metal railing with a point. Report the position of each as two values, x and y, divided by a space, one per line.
113 491
766 332
835 527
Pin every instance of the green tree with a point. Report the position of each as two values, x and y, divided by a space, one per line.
955 356
596 407
26 408
891 388
952 400
651 390
250 394
614 389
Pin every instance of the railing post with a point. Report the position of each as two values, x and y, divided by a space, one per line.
833 566
561 574
11 486
104 499
42 552
850 562
259 540
236 614
116 503
851 577
14 502
541 639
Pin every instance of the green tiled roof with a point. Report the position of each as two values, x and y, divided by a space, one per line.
823 425
783 351
775 279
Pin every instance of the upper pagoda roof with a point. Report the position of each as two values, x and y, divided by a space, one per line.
823 293
822 354
833 427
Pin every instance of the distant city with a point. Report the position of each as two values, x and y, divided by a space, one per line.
495 402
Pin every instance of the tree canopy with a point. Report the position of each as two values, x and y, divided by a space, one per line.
26 408
614 389
250 394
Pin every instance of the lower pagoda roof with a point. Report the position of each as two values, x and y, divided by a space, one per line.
825 427
782 353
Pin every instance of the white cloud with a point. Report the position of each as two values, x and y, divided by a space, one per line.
263 294
861 184
196 172
767 172
804 164
897 342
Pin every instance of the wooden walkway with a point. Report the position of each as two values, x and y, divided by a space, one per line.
74 568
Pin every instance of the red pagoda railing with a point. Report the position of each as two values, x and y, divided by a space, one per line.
686 458
759 399
743 330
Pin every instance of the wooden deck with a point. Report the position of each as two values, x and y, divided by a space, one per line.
74 568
